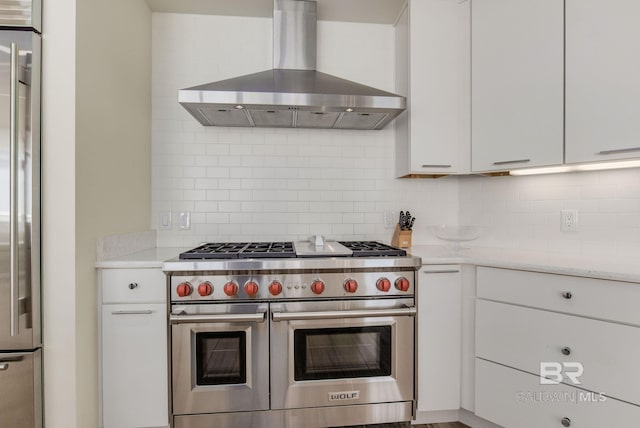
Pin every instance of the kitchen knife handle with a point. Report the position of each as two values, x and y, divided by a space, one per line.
14 275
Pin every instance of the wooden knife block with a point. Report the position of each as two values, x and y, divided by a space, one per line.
401 238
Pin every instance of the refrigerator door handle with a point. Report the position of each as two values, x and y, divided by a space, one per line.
4 362
14 274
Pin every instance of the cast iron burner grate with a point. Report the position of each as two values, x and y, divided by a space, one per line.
372 249
268 250
240 250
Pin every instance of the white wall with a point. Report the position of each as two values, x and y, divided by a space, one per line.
113 151
96 180
253 184
524 212
58 209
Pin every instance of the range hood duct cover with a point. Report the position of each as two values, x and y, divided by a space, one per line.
294 94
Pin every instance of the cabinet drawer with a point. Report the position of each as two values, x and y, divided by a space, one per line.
515 399
133 285
594 298
523 338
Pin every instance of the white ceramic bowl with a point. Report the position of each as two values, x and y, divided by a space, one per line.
456 233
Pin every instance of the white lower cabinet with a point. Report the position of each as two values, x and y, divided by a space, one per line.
556 351
523 338
439 337
133 353
515 399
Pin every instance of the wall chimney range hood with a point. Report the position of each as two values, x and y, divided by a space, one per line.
293 94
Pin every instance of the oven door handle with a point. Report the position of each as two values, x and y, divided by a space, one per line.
258 317
328 315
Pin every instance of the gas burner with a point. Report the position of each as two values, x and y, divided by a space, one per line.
372 249
268 250
240 250
222 250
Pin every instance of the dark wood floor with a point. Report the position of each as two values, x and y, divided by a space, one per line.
446 425
408 425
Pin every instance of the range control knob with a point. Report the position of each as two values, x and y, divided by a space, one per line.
205 289
184 289
275 288
383 284
350 285
251 288
317 286
230 288
402 284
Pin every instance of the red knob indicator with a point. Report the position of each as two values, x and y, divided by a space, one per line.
317 286
251 288
383 284
230 288
275 288
350 285
402 283
184 289
205 288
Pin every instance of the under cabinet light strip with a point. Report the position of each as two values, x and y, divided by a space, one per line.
575 168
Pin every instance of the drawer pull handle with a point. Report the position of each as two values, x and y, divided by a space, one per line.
512 161
133 285
143 312
566 350
566 422
615 151
567 295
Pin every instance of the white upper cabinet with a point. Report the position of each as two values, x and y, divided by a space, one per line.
432 71
603 80
517 83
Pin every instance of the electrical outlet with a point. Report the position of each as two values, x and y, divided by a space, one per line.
389 220
184 219
569 220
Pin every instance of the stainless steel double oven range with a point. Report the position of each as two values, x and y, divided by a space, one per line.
262 337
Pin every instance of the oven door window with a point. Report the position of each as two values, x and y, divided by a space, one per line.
221 358
340 353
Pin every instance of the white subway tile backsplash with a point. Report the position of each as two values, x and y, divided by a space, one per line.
255 184
524 212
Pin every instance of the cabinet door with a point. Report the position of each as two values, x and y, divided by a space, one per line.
439 337
134 365
439 69
603 80
517 83
433 72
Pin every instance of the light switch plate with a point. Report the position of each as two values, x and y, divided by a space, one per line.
164 220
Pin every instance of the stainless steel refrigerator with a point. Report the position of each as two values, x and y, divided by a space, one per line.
20 312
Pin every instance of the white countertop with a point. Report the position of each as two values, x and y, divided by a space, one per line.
151 258
539 261
557 263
